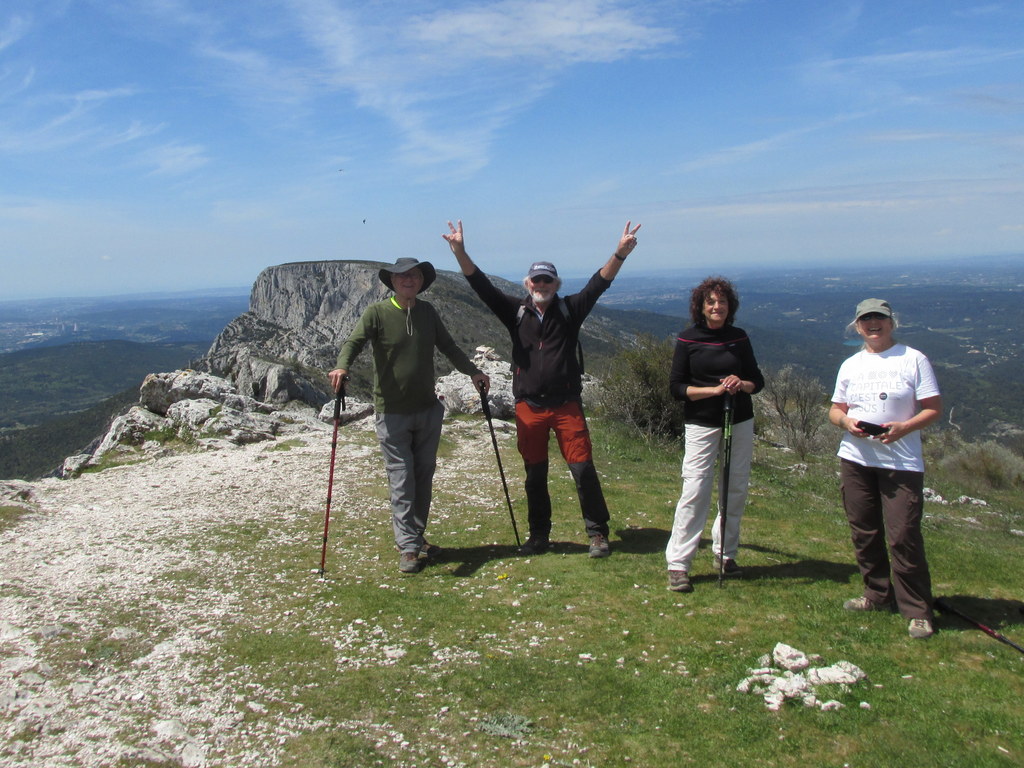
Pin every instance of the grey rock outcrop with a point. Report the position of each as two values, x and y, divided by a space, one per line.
196 409
298 313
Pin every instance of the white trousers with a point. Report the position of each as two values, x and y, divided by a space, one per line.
702 446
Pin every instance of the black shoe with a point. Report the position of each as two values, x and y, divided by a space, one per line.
732 568
429 551
535 545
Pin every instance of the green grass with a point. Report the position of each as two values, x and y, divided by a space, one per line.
489 659
609 668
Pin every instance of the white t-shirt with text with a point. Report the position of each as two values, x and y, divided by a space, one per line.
884 387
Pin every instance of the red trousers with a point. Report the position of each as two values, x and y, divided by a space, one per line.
534 425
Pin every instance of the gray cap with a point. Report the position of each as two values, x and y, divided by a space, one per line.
866 307
402 266
543 268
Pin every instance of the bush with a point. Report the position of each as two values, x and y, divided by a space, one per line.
635 391
792 410
984 466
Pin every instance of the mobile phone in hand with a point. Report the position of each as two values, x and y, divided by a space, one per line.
872 429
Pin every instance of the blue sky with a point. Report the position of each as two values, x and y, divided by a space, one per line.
150 145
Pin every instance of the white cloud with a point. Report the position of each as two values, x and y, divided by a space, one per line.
175 159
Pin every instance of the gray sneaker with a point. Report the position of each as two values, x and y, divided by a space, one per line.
863 604
679 581
599 546
919 629
409 562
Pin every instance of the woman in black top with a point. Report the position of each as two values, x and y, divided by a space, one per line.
712 358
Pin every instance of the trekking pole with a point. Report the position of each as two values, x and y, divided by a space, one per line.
723 493
494 441
339 406
945 607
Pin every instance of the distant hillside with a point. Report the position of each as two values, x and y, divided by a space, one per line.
40 451
39 385
967 321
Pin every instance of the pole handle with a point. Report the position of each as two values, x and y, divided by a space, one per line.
484 405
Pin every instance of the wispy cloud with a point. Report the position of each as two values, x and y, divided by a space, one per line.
549 32
930 63
13 30
740 153
175 159
449 79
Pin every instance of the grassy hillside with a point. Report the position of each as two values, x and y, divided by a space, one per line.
608 668
491 660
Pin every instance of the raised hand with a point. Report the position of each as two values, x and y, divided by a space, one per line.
628 240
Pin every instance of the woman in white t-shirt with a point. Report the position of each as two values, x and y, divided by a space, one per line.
885 394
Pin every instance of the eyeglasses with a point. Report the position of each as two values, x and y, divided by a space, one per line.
542 279
873 316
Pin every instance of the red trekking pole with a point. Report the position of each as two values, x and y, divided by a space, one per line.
339 406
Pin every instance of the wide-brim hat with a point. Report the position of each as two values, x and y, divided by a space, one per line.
868 306
402 266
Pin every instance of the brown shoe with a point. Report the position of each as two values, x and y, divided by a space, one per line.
863 604
679 581
409 562
599 546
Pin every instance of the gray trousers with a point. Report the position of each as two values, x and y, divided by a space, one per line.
408 442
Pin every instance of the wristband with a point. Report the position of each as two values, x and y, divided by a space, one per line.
620 258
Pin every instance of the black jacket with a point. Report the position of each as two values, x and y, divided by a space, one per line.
545 369
703 357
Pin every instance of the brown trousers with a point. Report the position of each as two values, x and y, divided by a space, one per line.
888 504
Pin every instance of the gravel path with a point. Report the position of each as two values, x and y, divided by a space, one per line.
114 592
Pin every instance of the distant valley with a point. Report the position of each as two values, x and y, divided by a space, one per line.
65 356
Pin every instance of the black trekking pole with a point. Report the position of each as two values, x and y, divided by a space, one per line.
501 471
723 492
339 406
945 607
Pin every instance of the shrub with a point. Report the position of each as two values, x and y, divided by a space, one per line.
792 410
984 466
635 391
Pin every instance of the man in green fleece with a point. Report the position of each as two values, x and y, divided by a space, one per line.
403 332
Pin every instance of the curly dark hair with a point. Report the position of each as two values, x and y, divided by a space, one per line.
710 285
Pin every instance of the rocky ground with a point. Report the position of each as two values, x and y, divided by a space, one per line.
115 591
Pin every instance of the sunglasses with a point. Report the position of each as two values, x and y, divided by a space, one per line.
873 316
542 279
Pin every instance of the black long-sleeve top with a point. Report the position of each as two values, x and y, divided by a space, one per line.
703 357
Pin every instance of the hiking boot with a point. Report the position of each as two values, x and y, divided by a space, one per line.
731 568
409 562
919 629
429 551
863 604
679 581
599 546
535 545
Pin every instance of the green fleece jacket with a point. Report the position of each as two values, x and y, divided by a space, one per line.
403 354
